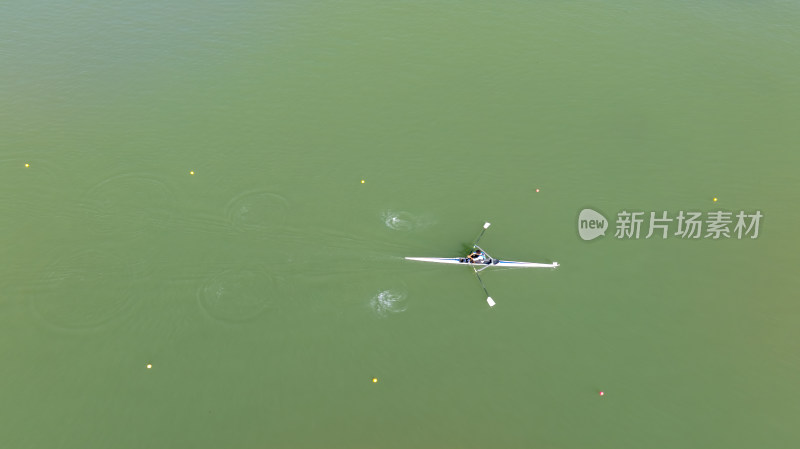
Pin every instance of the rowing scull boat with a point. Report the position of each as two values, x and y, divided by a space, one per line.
494 262
479 258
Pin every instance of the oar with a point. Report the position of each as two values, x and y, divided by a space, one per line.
485 227
489 299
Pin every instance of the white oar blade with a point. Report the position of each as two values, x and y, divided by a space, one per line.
490 301
486 225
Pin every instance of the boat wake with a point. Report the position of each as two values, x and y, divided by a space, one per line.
388 302
241 294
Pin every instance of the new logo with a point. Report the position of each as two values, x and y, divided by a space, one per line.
591 224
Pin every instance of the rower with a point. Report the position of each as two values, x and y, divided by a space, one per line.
476 256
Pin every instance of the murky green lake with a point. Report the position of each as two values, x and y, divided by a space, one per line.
205 208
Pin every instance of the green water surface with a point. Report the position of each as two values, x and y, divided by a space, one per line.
267 289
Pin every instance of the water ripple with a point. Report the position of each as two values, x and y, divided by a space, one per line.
256 210
86 290
403 221
129 205
238 295
388 302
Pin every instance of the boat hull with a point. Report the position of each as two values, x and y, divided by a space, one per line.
501 263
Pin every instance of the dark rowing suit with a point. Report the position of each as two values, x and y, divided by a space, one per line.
476 257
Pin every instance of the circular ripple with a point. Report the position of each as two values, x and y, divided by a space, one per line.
240 295
86 290
129 205
257 210
388 302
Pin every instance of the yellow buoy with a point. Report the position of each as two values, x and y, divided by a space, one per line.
27 165
374 380
149 366
191 172
362 181
715 200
